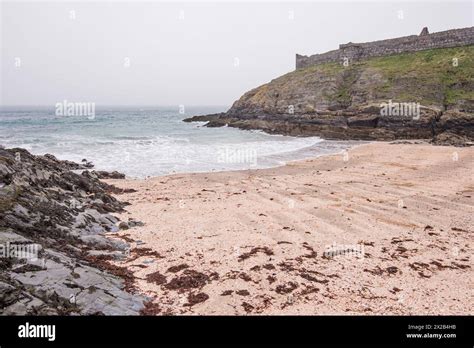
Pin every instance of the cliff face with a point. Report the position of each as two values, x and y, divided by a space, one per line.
350 102
427 77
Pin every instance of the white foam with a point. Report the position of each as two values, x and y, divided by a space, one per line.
154 143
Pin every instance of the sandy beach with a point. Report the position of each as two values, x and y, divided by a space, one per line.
384 229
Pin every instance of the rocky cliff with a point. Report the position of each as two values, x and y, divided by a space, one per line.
54 249
336 101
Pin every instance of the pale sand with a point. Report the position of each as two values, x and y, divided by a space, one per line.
410 205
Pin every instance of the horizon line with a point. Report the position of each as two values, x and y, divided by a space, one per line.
115 105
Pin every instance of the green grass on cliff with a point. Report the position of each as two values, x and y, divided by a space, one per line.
434 67
430 77
440 78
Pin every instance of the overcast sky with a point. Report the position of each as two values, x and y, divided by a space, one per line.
201 53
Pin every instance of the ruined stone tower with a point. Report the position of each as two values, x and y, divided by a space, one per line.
424 41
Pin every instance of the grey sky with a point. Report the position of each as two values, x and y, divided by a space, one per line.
190 60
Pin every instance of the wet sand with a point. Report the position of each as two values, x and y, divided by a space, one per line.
386 229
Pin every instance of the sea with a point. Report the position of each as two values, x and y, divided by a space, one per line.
152 141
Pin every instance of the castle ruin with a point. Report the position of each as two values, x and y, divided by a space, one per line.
357 51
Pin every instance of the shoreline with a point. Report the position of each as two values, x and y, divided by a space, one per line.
290 162
257 241
285 163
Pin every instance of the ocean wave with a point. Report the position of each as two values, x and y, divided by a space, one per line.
155 143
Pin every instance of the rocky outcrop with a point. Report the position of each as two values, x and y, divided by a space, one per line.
54 249
408 96
101 174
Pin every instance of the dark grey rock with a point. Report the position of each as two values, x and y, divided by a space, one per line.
65 216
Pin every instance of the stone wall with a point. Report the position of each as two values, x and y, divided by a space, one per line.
357 51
